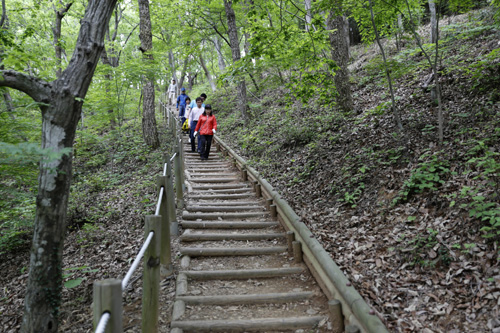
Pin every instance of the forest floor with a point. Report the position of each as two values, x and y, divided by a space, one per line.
412 224
113 190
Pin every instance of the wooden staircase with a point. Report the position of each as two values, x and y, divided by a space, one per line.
237 273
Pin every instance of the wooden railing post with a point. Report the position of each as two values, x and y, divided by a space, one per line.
178 177
108 298
336 317
174 226
166 252
151 276
183 166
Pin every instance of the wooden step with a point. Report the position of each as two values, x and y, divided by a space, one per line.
214 180
221 196
226 191
216 216
243 273
227 225
227 203
231 251
198 237
224 209
221 186
247 299
248 325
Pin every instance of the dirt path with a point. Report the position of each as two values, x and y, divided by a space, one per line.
236 273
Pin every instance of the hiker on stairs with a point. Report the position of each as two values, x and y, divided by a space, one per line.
196 112
207 125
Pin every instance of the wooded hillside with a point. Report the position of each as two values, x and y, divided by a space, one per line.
379 121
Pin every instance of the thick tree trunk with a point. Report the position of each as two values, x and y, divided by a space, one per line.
207 73
340 54
235 50
220 57
149 131
432 9
61 109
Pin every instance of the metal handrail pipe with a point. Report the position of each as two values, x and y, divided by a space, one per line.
165 169
137 260
173 156
160 197
101 327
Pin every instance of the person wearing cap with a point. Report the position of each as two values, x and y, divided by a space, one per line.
181 105
207 126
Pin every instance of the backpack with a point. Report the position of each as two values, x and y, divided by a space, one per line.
185 126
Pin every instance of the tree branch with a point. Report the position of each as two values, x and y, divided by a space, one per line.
37 89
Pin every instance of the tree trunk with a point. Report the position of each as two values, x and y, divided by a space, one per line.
61 108
56 32
340 54
235 50
432 9
171 62
395 109
220 57
183 73
149 131
207 73
307 4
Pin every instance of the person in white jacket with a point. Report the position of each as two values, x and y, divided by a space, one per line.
172 92
195 114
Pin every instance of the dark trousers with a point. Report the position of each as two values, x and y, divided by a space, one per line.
191 135
206 143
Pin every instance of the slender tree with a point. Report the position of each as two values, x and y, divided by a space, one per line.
61 104
149 130
60 12
235 50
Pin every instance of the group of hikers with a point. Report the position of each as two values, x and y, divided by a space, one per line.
197 118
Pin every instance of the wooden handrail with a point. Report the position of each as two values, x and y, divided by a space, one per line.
108 308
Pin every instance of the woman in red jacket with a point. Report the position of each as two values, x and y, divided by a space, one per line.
207 126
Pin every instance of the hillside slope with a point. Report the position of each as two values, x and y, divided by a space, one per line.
415 226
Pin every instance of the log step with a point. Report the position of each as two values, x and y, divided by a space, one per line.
222 208
243 273
227 225
188 237
228 203
207 170
221 196
220 186
228 251
247 299
214 180
216 216
248 325
225 191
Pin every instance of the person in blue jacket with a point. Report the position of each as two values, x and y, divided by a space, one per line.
181 105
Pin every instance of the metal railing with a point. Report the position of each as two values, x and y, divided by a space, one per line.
156 249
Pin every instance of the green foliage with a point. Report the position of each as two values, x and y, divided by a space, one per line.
428 175
75 281
486 71
420 246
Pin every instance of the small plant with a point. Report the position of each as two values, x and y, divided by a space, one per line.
427 176
70 272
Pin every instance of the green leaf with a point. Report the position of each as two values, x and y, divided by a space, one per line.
73 283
